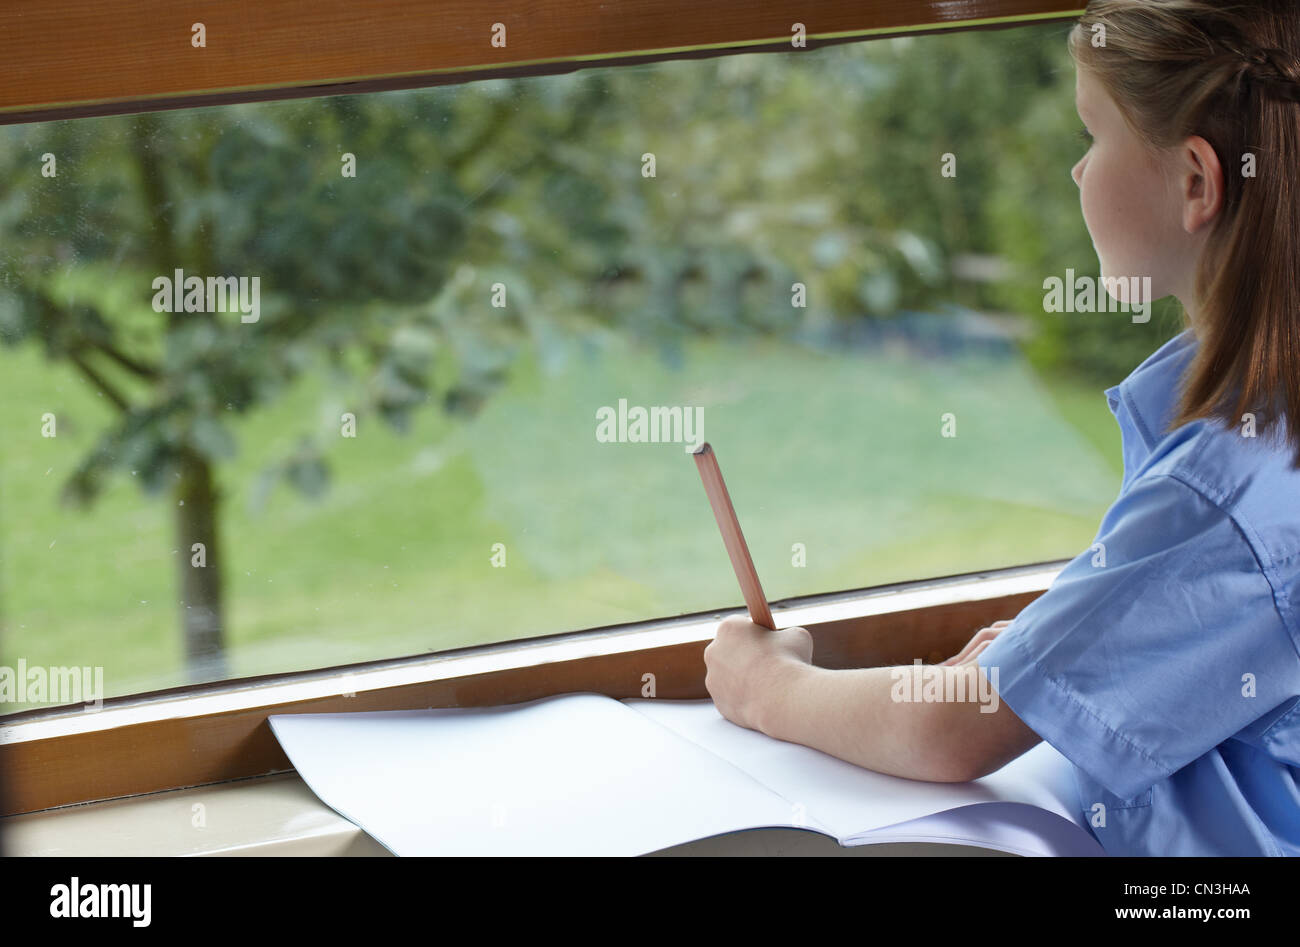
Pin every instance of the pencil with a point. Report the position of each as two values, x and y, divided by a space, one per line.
707 463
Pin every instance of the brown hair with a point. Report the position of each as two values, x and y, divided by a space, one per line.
1228 73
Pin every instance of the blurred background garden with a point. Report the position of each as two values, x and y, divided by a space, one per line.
475 424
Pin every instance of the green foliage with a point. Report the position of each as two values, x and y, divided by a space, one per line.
346 266
772 169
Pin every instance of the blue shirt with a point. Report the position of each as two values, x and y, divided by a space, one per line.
1164 661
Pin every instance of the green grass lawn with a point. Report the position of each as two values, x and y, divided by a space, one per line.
838 451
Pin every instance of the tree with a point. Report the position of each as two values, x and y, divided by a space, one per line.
352 271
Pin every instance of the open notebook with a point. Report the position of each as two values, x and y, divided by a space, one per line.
584 774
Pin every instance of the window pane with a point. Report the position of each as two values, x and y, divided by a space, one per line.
398 413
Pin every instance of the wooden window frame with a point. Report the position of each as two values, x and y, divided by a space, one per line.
79 58
197 735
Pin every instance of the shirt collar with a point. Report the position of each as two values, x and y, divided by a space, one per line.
1149 395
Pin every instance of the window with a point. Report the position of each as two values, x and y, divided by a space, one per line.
419 431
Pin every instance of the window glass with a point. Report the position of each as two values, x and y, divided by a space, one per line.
297 384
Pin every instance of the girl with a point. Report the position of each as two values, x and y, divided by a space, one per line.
1163 662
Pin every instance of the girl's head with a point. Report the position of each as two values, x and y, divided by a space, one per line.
1191 179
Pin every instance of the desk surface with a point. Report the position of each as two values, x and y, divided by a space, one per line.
280 815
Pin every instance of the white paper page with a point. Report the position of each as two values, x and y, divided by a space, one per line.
851 800
578 774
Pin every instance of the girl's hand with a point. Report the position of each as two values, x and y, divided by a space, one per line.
982 639
745 664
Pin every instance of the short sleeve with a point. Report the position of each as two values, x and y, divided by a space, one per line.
1142 655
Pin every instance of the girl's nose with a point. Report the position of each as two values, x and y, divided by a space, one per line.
1077 171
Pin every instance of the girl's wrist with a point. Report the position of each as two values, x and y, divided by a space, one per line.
784 680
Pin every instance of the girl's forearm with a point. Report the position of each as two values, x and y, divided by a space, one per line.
852 714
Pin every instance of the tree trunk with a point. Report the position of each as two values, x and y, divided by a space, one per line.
200 586
200 570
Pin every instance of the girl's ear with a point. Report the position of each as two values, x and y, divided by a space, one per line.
1200 178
